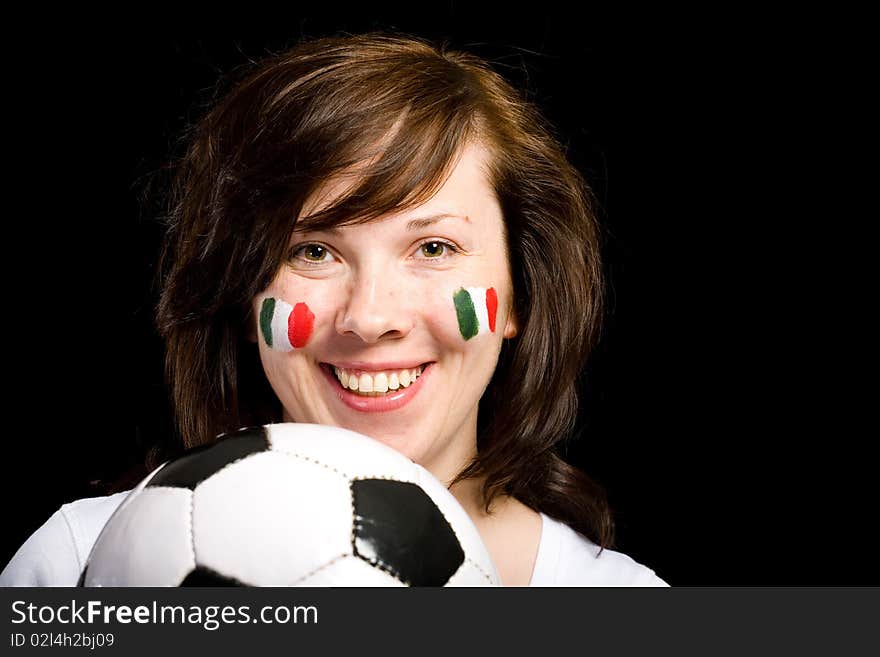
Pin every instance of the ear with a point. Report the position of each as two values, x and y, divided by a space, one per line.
511 328
250 327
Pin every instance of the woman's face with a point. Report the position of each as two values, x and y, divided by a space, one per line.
368 306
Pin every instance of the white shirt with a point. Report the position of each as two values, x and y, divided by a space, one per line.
56 553
565 558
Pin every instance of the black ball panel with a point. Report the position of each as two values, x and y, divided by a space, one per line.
202 576
398 528
199 463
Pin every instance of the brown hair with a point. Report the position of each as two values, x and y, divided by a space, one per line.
297 119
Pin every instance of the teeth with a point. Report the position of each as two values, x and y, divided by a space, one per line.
377 382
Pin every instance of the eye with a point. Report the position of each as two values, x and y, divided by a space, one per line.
437 249
311 253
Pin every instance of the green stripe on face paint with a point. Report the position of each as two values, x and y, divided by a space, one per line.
467 316
266 313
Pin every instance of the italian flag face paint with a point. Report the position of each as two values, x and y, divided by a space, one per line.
285 327
475 308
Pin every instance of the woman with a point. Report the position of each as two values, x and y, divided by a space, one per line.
441 258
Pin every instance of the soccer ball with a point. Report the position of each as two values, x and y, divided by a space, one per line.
290 505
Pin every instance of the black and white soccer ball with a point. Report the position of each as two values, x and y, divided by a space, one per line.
290 505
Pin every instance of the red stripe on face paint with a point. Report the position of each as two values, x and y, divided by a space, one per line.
491 307
300 325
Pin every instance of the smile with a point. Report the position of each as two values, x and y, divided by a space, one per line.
376 383
369 390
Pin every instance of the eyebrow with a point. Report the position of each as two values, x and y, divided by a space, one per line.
424 222
412 224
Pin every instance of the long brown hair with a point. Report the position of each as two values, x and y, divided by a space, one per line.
297 119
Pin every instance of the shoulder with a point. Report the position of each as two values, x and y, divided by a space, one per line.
55 554
565 558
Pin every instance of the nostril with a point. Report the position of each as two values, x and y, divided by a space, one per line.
374 322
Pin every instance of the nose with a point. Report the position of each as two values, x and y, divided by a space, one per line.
375 308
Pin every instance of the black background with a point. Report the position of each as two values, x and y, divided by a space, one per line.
722 409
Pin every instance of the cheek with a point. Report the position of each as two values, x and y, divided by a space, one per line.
296 313
476 311
285 325
463 315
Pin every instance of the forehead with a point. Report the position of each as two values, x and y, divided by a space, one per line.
467 190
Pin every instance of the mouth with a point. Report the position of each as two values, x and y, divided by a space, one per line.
367 389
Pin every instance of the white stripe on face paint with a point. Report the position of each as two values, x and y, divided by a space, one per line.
280 340
478 297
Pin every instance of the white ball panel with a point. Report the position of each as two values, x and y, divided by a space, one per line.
355 455
349 571
251 516
467 533
160 554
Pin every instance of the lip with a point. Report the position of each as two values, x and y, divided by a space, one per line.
377 366
391 402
